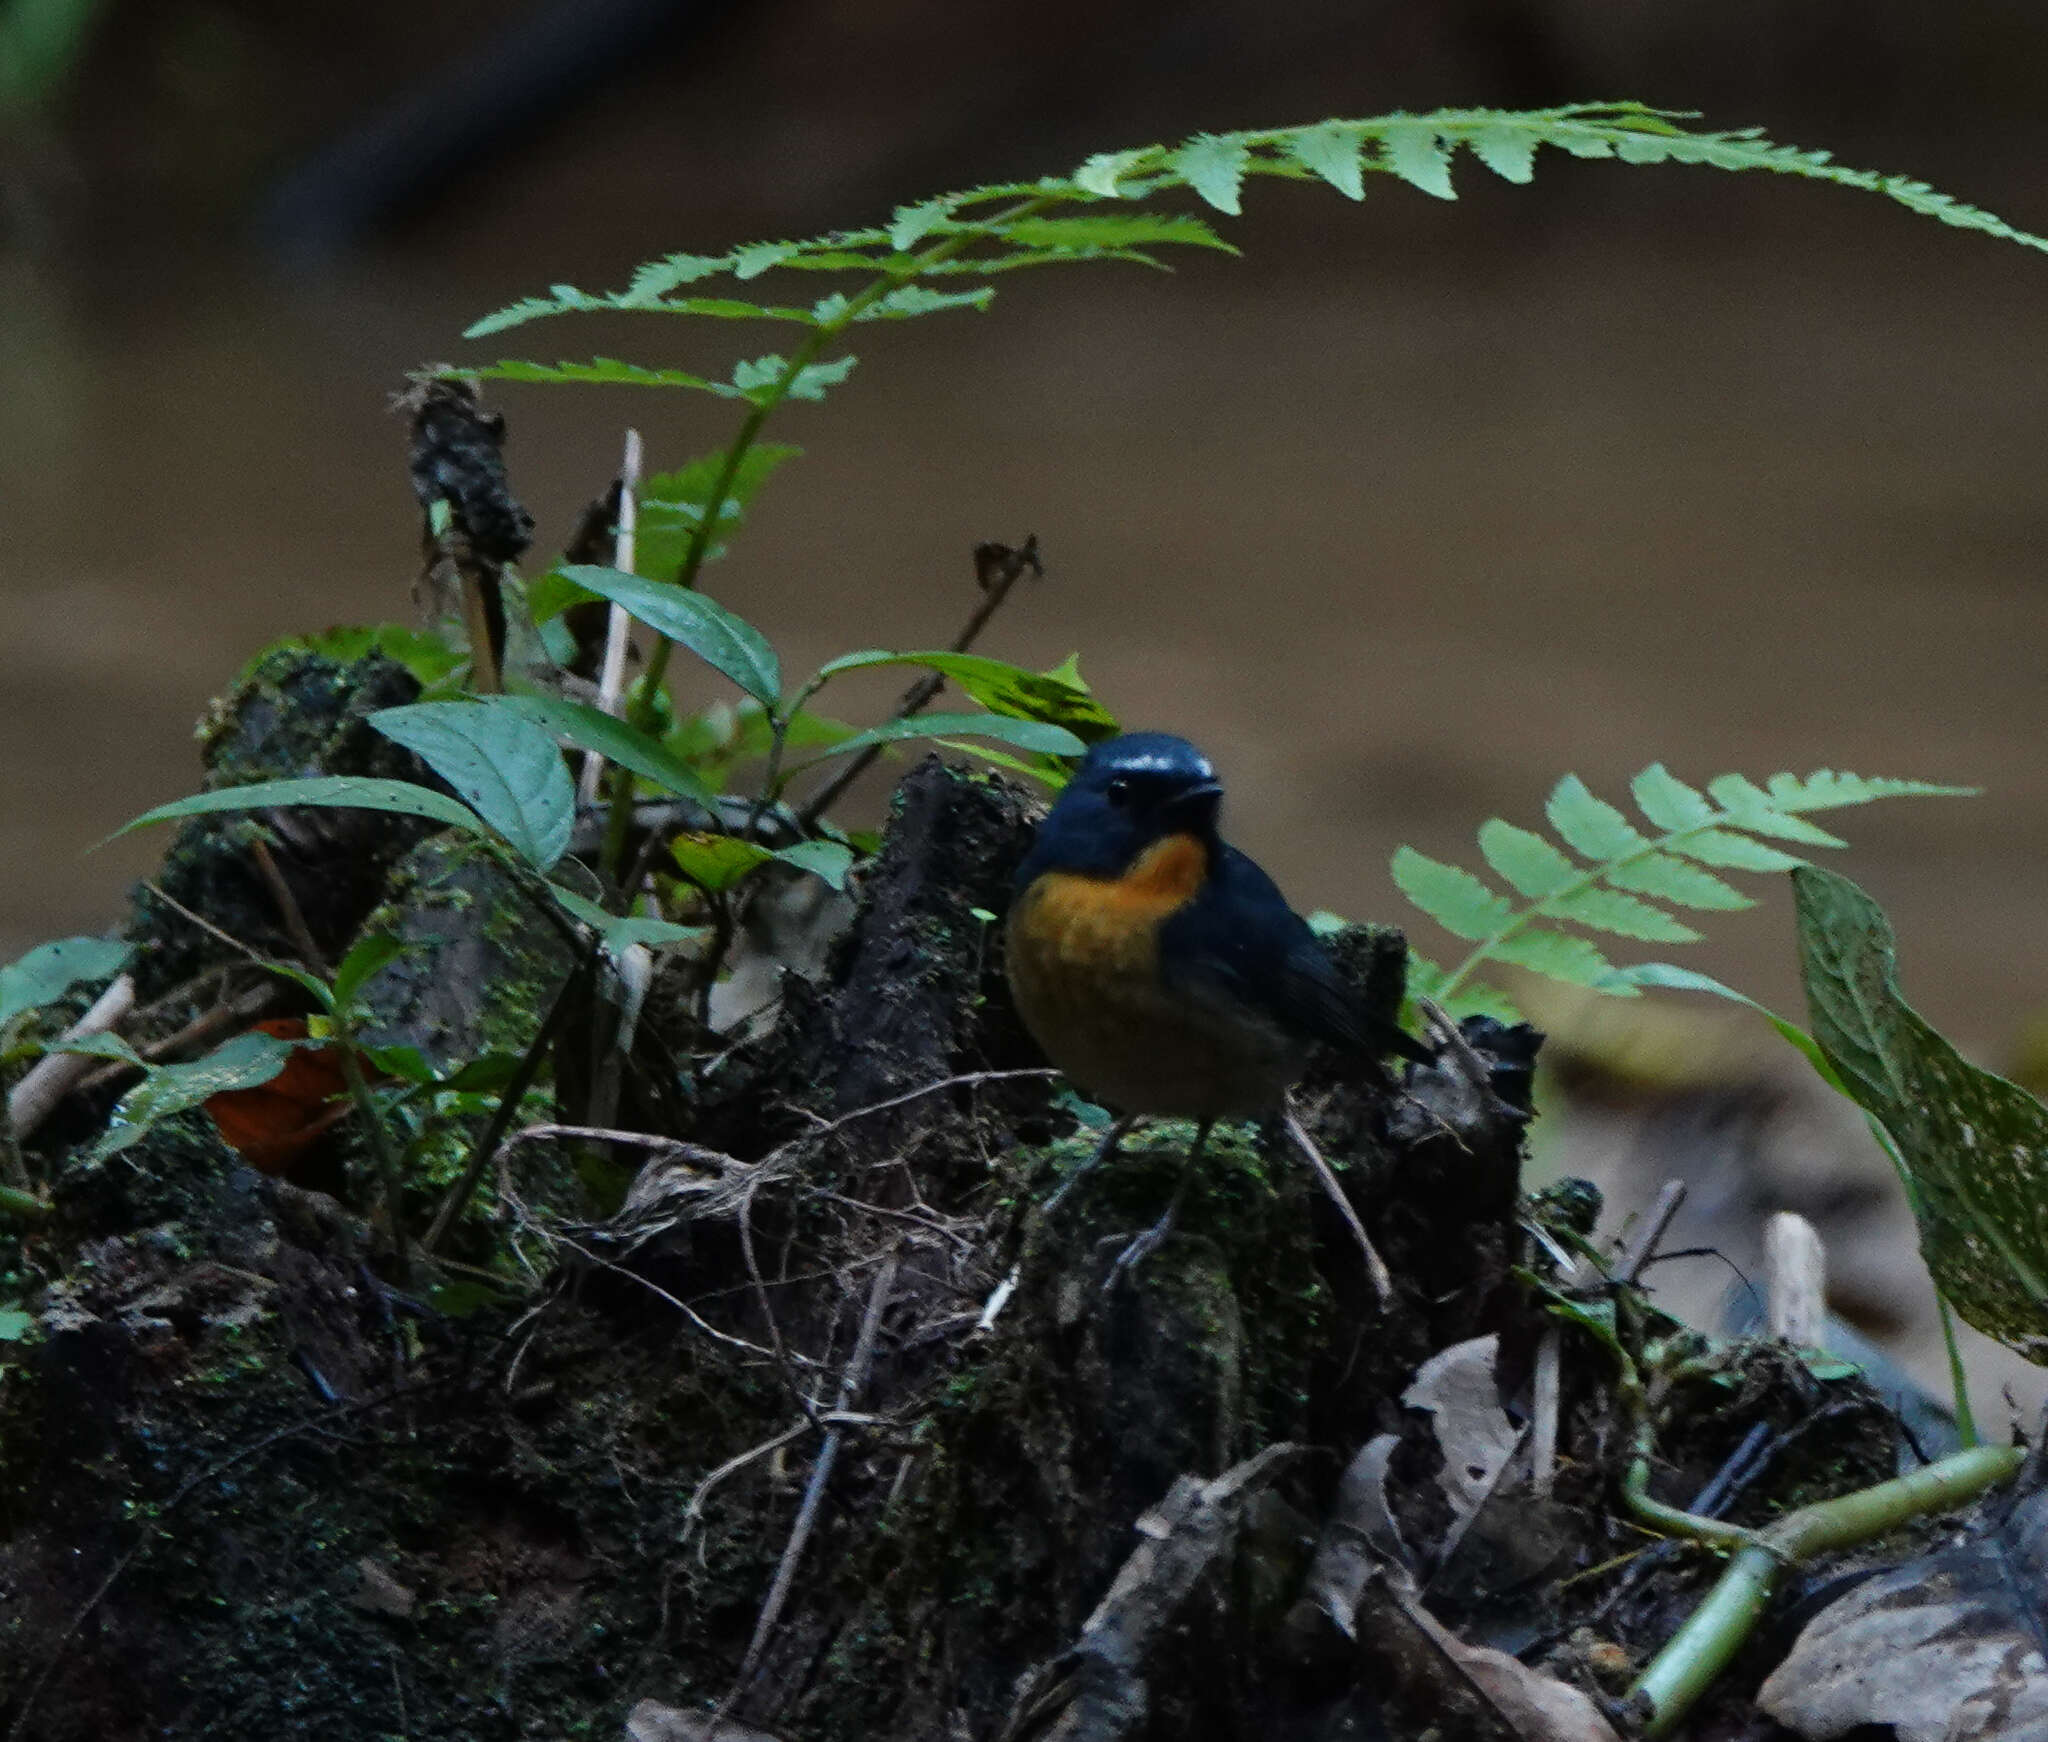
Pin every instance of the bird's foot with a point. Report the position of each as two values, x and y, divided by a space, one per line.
1105 1151
1141 1248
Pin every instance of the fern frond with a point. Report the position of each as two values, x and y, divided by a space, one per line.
1035 224
1629 879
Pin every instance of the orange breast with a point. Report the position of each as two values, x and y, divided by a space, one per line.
1083 955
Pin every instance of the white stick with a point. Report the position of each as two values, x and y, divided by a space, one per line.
51 1078
1796 1281
612 679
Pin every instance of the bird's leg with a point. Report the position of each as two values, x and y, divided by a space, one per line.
1154 1237
1106 1151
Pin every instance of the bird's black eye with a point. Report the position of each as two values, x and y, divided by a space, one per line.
1118 791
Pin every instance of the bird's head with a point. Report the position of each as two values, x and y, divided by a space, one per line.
1128 794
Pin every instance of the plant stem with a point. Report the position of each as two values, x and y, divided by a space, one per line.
380 1145
642 714
1959 1381
1717 1629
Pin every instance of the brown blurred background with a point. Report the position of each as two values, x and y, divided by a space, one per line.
1403 515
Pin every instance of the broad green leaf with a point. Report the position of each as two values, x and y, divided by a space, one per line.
714 863
427 657
1589 825
15 1324
327 792
1506 149
1674 880
1734 852
50 970
1667 801
622 931
245 1062
360 963
1529 863
1331 152
1611 911
1975 1145
616 741
1037 736
1412 150
830 860
1214 168
505 767
1450 895
1560 956
726 643
1058 696
1048 771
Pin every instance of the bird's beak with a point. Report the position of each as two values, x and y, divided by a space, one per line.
1194 807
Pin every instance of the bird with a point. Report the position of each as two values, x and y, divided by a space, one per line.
1159 968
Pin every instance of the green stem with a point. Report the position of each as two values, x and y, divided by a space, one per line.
1675 1520
1959 1381
1679 1674
380 1146
619 823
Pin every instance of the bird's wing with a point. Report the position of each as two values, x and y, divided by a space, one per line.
1239 937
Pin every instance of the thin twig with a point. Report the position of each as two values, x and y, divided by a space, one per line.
1643 1243
998 568
850 1387
207 925
460 1192
234 1014
703 1324
611 681
693 1513
287 905
931 1222
1375 1266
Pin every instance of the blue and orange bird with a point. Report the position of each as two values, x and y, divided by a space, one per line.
1159 967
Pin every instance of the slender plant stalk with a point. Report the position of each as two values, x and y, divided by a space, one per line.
642 714
380 1145
1679 1674
1958 1379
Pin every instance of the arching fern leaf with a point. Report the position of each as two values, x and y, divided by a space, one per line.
1617 878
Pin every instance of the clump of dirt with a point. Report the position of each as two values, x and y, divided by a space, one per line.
834 1424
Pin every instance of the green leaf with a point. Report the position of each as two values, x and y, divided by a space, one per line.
1975 1145
727 643
714 863
1509 150
1527 862
246 1062
673 504
599 372
1674 880
1665 976
15 1324
1214 168
504 766
616 741
1560 956
620 932
1667 801
1824 789
1112 230
1033 735
1755 811
1450 895
1589 825
831 860
1734 852
50 970
1611 911
1332 152
1058 697
912 224
911 300
1103 174
426 656
325 792
1412 150
360 963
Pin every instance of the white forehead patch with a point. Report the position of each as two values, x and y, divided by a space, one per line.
1166 762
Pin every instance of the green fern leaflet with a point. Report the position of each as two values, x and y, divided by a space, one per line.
1613 877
